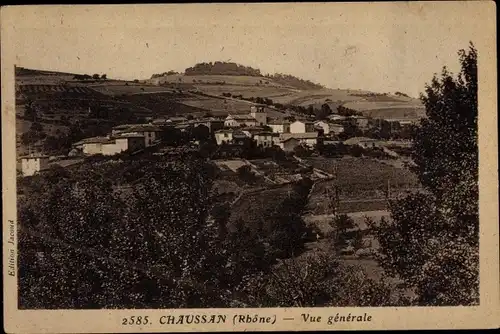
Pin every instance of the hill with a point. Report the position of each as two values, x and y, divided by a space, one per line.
61 102
55 109
246 83
220 68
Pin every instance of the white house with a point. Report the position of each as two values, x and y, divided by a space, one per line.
34 163
123 142
111 145
308 138
223 136
301 127
279 126
90 146
266 139
151 133
329 127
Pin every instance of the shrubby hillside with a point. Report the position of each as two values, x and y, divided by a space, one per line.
290 80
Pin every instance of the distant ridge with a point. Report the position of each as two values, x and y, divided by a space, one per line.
234 69
27 71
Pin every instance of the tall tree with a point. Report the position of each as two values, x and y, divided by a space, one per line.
432 240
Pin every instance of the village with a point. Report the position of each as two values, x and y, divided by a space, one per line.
306 147
243 158
234 130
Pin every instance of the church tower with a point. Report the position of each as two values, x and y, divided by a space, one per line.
259 114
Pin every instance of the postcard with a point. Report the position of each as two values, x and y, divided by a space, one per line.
249 167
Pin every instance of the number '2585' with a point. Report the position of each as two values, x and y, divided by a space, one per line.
135 320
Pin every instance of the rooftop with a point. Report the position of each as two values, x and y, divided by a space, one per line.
129 135
304 121
141 127
266 133
92 140
307 135
278 122
124 126
241 117
34 156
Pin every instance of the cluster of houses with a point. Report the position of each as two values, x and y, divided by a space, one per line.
128 137
282 133
232 130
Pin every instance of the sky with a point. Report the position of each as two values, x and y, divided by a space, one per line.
383 47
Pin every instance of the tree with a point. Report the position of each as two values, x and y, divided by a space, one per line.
104 76
37 127
340 224
96 76
30 111
245 173
351 130
319 279
85 243
201 133
432 239
324 112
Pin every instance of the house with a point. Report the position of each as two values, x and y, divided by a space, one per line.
223 136
151 133
177 119
123 142
301 127
213 124
363 142
308 138
111 145
233 121
257 117
329 128
259 114
279 126
240 138
90 146
266 139
34 163
288 144
361 121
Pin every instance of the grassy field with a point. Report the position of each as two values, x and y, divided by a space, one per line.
217 107
373 105
214 79
118 89
247 91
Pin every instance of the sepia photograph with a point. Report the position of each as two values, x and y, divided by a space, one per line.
248 156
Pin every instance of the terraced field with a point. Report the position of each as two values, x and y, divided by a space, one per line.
252 207
362 184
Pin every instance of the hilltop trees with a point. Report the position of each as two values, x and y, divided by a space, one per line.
432 240
221 68
287 79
